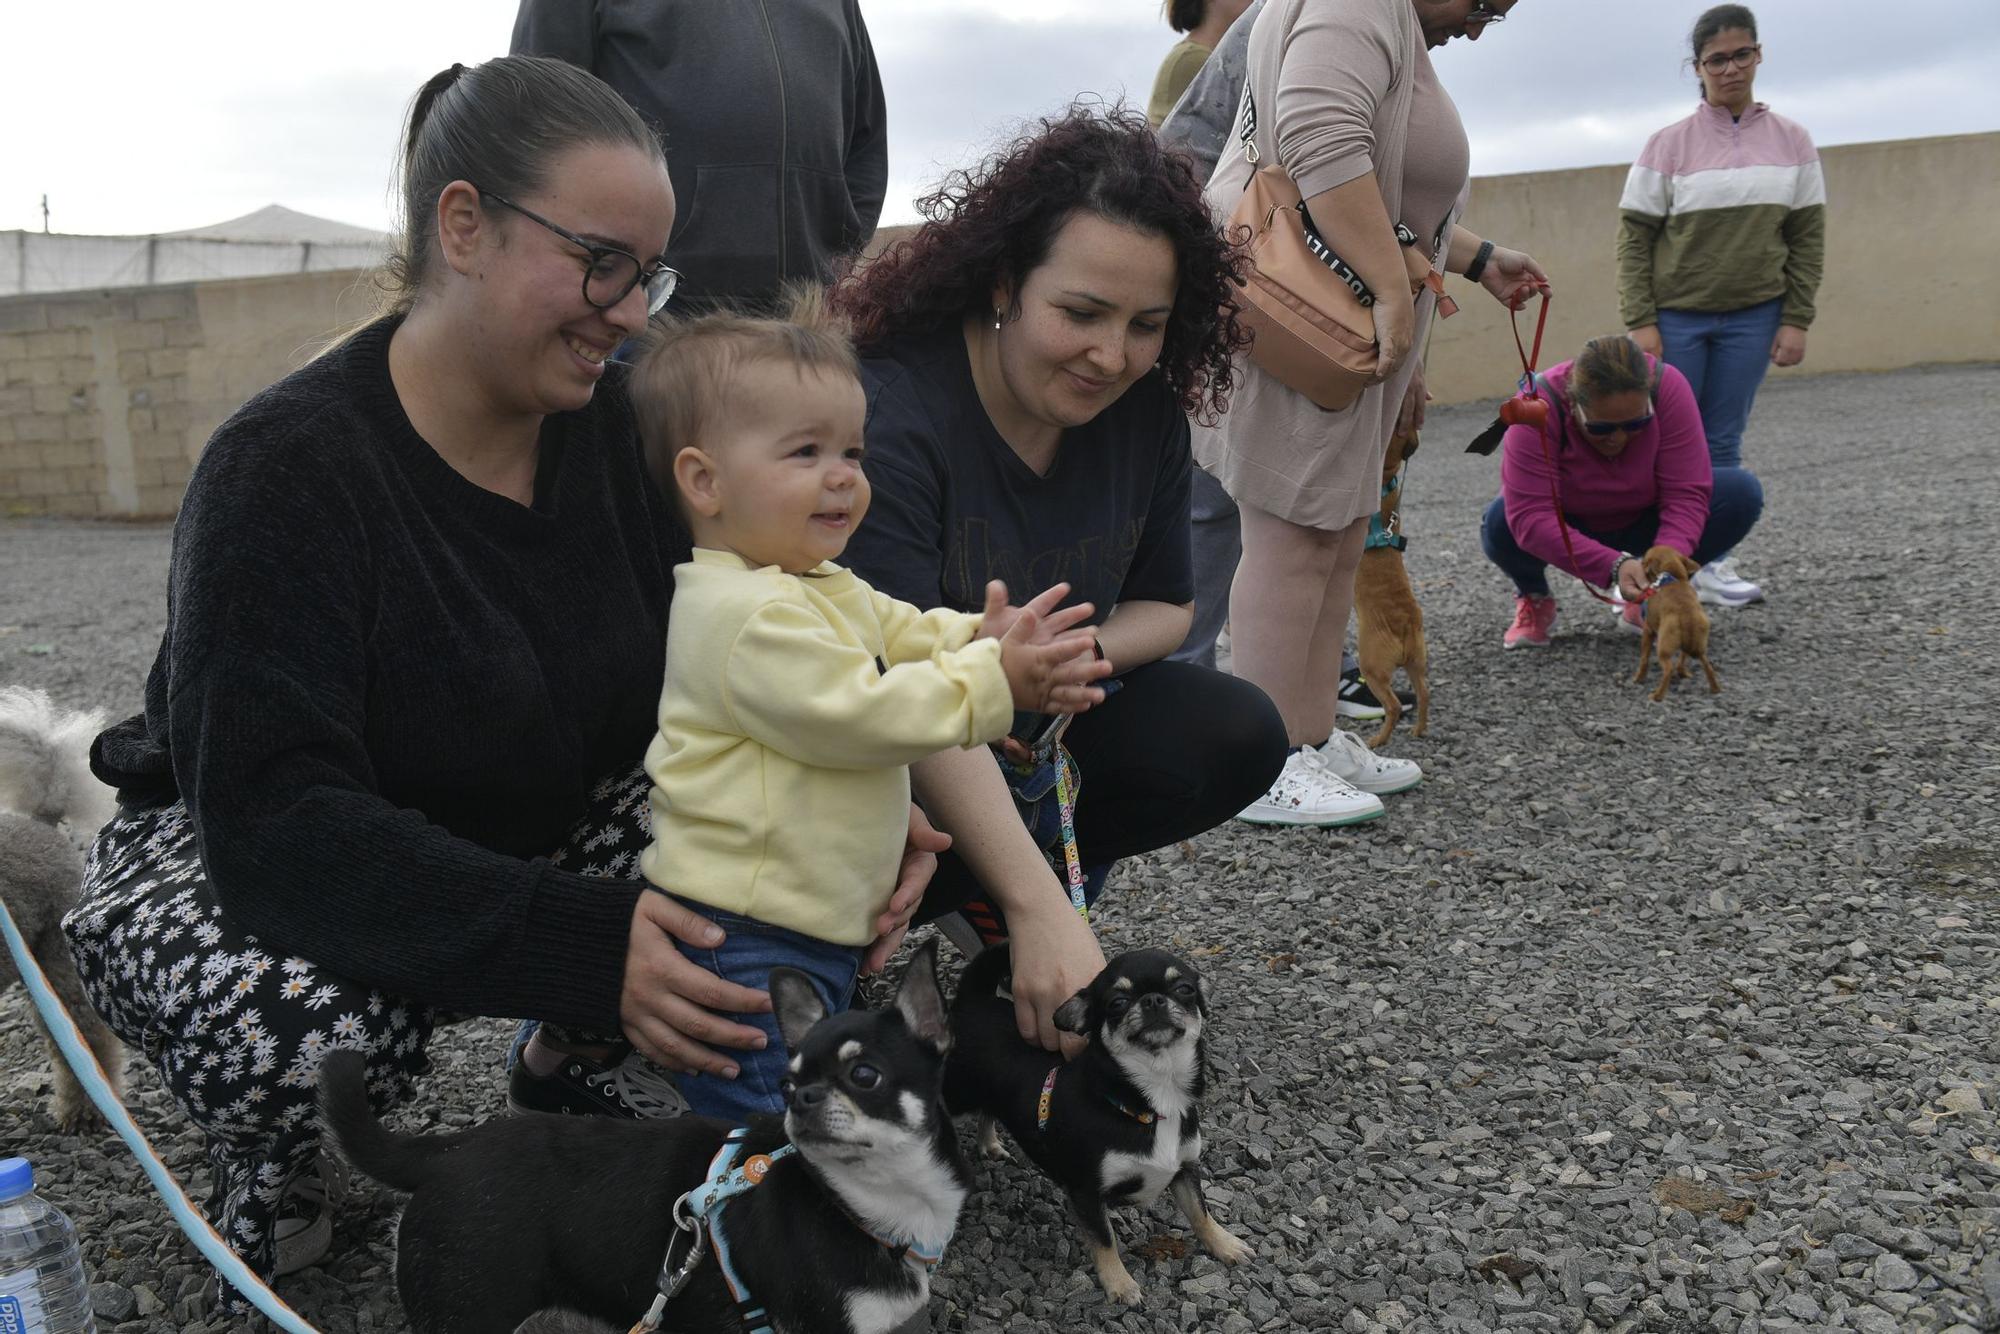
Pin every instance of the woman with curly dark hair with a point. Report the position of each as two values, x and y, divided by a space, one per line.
1030 355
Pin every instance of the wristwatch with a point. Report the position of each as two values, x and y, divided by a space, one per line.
1478 265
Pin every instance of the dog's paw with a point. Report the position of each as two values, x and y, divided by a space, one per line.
73 1110
1225 1245
990 1145
1123 1289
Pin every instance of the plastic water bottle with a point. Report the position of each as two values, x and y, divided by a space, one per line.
42 1287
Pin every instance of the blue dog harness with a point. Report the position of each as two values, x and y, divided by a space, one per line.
1382 534
699 1214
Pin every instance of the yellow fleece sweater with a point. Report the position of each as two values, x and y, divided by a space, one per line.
794 706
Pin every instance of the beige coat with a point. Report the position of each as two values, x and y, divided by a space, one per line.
1324 75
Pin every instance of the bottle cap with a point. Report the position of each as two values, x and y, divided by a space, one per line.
17 1178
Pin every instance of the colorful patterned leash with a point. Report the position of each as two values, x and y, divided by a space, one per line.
183 1209
1066 808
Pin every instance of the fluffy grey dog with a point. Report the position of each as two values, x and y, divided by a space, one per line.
50 809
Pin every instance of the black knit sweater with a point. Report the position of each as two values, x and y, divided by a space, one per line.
385 692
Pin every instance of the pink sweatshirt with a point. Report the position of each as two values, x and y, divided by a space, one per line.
1664 467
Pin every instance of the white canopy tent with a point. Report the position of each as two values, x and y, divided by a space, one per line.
274 239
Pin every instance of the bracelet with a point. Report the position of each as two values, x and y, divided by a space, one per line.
1618 565
1478 265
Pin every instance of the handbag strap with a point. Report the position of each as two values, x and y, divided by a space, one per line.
1402 93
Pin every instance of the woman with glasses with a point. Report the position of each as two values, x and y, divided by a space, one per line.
1622 447
1721 240
1343 96
417 599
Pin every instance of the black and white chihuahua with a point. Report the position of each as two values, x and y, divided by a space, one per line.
539 1212
1117 1125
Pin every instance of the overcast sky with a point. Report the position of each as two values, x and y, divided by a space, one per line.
136 116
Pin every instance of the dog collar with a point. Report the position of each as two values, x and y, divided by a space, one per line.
911 1252
1049 1095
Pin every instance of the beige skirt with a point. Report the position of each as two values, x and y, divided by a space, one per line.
1276 451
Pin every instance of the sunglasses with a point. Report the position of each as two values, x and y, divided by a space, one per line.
1484 14
612 273
1612 428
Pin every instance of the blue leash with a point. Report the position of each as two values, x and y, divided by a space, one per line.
91 1075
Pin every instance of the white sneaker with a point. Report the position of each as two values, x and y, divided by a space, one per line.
1347 758
1719 585
1308 793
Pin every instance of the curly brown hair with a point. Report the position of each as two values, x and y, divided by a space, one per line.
995 223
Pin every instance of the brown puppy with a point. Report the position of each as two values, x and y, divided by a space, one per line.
1675 622
1391 625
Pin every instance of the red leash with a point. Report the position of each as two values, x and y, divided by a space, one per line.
1526 408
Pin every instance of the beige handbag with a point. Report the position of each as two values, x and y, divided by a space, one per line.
1308 312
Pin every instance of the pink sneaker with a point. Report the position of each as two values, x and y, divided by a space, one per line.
1533 618
1634 614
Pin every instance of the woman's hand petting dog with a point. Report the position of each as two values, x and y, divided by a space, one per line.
1632 580
919 864
1056 955
669 1005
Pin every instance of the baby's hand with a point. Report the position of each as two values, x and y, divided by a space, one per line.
999 618
1051 673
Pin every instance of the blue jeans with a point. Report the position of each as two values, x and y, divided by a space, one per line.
1724 355
747 957
1733 508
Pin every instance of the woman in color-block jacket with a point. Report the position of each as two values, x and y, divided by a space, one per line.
1721 240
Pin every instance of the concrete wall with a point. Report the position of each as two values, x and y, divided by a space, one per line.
1908 277
107 397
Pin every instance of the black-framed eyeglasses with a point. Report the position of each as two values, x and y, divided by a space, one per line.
1742 57
1484 13
1612 428
612 273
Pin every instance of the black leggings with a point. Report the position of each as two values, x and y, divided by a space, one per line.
1175 752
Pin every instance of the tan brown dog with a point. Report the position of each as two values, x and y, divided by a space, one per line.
1675 622
1391 625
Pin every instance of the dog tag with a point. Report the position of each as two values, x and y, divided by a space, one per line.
755 1168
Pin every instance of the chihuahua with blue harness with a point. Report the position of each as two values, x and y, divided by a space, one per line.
827 1221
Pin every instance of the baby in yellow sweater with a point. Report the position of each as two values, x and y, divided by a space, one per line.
797 696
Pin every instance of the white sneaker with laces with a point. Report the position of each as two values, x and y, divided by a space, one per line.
1719 585
302 1232
1308 793
1348 758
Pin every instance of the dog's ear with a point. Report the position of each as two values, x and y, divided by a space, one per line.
1073 1015
920 999
796 1004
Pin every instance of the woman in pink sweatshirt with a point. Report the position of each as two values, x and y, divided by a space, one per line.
1631 463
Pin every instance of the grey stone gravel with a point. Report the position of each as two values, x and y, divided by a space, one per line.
1634 1017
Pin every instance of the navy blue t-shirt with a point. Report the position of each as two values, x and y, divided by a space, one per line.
954 505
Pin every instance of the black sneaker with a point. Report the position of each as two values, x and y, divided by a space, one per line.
632 1089
1358 701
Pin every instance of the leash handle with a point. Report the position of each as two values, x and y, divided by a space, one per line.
1528 359
91 1076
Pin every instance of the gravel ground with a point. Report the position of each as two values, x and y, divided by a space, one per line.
1633 1017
